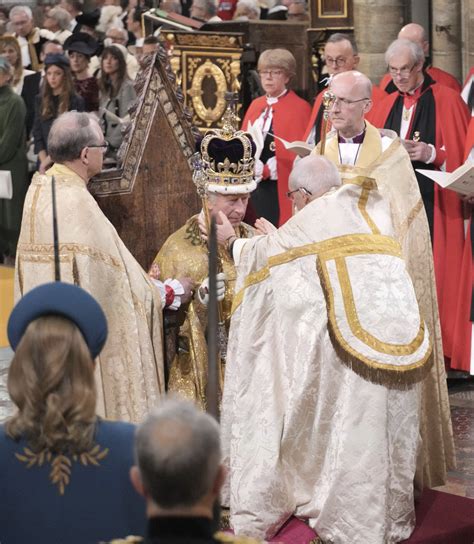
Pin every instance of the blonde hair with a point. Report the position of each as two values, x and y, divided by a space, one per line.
6 41
51 381
278 58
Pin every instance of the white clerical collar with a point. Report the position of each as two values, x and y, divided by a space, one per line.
274 99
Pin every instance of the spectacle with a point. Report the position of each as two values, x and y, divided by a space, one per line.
104 147
402 72
302 189
339 61
270 73
346 102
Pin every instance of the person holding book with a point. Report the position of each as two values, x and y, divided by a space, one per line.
432 121
279 113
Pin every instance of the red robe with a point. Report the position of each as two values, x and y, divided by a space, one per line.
377 95
461 355
290 117
440 76
452 117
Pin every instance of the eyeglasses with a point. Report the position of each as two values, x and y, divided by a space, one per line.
104 146
402 72
270 73
302 189
339 61
345 102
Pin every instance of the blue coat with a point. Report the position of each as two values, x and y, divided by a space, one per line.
93 499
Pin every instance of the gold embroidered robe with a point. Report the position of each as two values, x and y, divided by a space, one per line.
185 254
306 429
396 181
129 372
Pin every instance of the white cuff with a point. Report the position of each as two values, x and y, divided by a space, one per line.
178 291
433 154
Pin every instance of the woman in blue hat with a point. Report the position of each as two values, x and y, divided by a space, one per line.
64 472
57 96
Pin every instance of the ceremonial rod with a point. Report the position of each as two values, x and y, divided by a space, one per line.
328 101
57 272
212 387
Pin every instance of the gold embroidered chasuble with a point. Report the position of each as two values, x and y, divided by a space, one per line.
129 371
320 413
396 181
185 254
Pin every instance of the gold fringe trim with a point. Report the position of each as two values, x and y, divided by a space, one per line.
395 377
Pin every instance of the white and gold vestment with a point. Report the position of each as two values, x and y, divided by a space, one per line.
129 372
321 402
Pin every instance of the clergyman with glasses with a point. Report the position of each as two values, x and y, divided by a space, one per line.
360 150
340 55
130 374
431 120
278 114
317 415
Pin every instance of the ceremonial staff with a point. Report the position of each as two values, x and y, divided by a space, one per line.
57 272
328 101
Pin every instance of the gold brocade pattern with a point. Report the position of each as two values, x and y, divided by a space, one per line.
353 244
129 374
61 464
185 254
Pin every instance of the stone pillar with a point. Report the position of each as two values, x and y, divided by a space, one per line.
467 10
446 36
376 25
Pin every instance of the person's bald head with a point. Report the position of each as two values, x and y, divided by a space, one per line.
352 91
415 33
311 178
178 456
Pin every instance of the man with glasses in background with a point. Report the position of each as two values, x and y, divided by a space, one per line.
432 121
340 55
129 376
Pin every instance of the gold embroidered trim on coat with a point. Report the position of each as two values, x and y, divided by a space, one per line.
353 319
45 253
60 474
404 227
33 214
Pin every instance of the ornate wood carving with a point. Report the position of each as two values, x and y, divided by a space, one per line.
152 194
207 66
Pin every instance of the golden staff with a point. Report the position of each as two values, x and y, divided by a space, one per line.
328 101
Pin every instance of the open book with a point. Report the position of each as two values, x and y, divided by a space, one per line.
461 180
298 147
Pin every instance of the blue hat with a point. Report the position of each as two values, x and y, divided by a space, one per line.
57 59
62 299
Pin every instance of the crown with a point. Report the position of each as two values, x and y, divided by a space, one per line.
226 162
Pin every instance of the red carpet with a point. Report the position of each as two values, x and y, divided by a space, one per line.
441 518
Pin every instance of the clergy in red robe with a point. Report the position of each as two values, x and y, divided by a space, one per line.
278 114
462 356
432 122
416 33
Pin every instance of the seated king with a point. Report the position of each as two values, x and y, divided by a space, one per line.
223 173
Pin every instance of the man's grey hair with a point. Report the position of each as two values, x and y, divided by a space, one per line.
316 174
340 36
120 29
70 134
178 453
61 16
400 46
209 6
248 6
21 10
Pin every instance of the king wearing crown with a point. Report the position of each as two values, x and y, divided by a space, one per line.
223 174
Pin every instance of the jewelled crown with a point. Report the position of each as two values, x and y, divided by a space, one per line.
226 161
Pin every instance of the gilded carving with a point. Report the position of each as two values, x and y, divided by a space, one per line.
207 114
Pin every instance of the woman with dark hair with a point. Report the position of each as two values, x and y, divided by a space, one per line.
80 47
63 469
25 82
57 96
116 94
